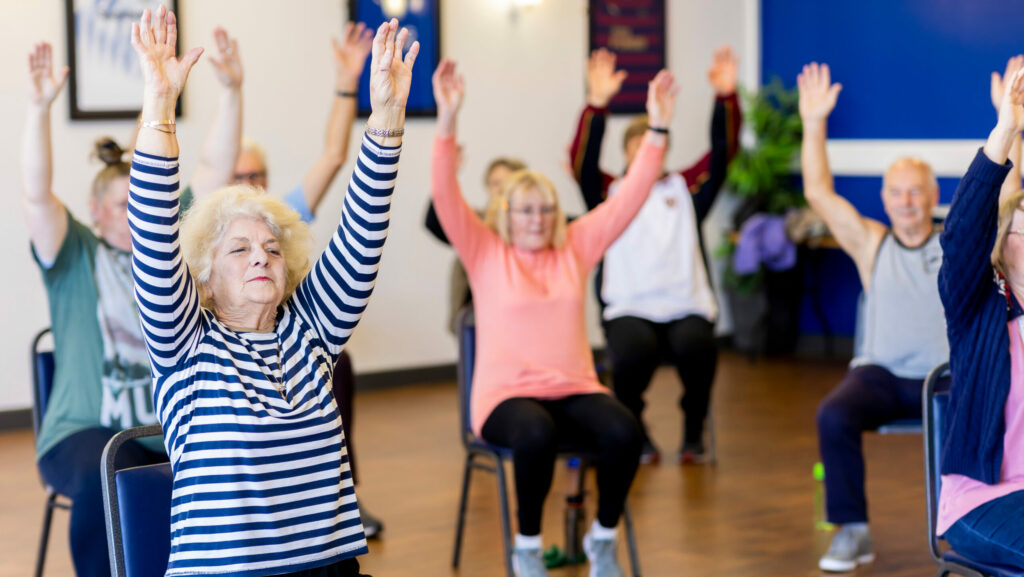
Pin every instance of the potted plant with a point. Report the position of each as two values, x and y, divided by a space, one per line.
765 305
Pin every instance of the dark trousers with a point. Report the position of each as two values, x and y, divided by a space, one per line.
73 468
868 397
992 533
344 568
536 429
343 383
637 346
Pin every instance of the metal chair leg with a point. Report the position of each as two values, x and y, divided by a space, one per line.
460 522
709 426
44 538
634 557
506 531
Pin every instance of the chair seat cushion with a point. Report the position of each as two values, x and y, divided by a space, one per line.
901 426
992 570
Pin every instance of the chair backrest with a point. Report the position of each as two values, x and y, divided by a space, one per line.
465 333
42 377
137 509
934 400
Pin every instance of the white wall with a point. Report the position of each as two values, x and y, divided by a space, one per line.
525 89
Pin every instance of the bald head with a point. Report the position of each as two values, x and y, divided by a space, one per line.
909 193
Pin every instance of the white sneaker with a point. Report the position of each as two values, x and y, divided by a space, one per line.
528 562
851 546
603 556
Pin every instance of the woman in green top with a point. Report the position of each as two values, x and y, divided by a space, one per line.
102 382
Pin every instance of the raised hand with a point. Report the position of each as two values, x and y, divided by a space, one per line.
390 74
817 93
226 64
722 74
603 81
154 40
350 55
661 99
43 85
1011 111
997 85
449 89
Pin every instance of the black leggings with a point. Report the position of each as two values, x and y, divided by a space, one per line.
343 383
344 568
637 346
536 429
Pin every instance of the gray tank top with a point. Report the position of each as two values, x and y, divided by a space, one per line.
904 324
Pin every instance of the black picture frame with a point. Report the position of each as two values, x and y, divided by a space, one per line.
422 25
105 82
635 31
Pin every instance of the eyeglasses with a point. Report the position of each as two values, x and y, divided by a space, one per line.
542 210
250 176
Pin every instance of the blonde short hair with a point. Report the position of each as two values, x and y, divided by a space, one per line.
497 215
205 223
916 163
1007 208
253 147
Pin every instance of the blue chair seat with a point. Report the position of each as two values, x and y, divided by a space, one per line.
953 557
901 426
144 506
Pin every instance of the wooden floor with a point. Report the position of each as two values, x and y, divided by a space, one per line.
751 515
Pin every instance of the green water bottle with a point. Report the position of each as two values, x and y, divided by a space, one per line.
820 519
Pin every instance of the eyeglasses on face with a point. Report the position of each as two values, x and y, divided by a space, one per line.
542 210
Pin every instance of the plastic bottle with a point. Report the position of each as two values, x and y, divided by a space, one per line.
820 519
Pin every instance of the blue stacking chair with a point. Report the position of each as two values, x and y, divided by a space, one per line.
493 456
43 366
137 509
935 400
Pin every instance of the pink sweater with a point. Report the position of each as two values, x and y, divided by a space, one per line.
960 495
531 338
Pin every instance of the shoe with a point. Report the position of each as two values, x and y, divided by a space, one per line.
603 556
372 526
851 546
692 453
528 562
649 454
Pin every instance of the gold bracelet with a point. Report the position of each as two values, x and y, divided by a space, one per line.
167 127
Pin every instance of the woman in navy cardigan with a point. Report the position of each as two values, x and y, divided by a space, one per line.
981 507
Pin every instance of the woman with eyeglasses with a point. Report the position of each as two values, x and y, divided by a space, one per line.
534 384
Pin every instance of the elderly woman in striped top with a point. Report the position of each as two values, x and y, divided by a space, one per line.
243 335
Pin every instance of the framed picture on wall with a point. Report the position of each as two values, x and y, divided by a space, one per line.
635 31
423 19
106 81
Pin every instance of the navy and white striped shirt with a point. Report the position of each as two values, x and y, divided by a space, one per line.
261 477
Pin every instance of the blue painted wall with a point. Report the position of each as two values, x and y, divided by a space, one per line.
909 68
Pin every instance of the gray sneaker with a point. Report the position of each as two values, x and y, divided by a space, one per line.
851 546
528 563
602 554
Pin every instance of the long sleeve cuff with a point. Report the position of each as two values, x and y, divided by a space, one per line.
984 170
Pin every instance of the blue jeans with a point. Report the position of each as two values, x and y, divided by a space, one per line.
73 468
992 533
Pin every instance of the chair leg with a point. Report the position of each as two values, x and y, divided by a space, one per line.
44 538
460 522
506 532
634 557
709 426
575 512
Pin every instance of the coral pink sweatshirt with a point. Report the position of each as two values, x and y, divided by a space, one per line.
531 338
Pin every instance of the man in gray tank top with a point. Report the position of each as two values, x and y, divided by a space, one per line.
904 326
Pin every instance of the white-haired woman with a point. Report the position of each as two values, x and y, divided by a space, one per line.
981 282
534 384
242 355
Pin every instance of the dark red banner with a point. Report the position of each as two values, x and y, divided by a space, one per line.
635 31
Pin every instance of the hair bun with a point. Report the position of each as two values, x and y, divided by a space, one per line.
109 151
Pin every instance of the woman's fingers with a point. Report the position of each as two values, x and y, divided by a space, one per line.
171 38
414 51
146 29
400 43
377 49
160 25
